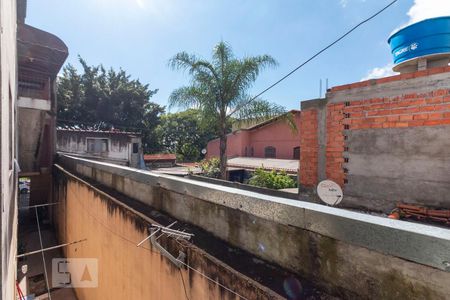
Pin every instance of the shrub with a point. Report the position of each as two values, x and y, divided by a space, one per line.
271 179
210 168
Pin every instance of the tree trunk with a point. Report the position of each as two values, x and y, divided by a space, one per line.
223 143
223 156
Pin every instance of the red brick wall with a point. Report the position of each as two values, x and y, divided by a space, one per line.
335 143
427 109
309 148
409 110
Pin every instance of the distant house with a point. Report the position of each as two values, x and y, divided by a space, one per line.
118 147
269 139
271 144
161 160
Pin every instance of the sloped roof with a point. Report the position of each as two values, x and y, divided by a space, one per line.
39 50
88 130
274 119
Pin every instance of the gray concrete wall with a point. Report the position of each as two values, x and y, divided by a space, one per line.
8 142
350 254
387 166
391 89
31 123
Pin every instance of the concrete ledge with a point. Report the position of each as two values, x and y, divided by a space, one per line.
427 245
32 103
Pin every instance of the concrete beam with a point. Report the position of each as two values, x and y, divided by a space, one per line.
41 104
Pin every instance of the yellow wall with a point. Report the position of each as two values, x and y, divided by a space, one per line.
126 271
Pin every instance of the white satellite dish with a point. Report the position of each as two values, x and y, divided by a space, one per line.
329 192
204 151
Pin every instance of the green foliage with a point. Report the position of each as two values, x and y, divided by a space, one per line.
105 99
219 90
210 168
185 134
271 179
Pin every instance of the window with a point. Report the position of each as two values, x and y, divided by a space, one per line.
270 152
135 147
246 151
252 152
97 145
296 154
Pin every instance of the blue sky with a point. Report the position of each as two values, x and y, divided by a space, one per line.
140 36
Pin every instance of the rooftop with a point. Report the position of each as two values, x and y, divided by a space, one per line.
288 165
160 156
92 130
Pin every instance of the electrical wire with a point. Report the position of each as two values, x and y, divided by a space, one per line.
315 55
184 286
43 255
134 243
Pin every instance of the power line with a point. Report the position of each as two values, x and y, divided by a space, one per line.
317 54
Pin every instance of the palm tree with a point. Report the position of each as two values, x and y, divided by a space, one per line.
218 88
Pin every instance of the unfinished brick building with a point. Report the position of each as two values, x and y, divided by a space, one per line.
383 140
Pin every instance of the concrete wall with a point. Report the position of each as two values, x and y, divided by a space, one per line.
409 165
125 271
386 141
31 123
8 141
120 148
349 254
277 134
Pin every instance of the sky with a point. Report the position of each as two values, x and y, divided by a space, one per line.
140 36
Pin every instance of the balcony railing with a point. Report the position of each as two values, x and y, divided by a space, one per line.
34 86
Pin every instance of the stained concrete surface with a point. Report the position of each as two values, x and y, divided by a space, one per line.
33 282
387 166
276 278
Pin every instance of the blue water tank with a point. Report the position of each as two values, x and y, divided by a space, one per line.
424 38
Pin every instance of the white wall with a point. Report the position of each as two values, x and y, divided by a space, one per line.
119 145
8 174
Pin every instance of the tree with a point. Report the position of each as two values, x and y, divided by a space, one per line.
185 134
218 88
105 99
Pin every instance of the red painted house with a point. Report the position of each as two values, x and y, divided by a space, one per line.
273 138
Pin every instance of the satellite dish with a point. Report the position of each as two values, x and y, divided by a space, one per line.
204 151
330 192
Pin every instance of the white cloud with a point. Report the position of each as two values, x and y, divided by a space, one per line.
425 9
343 3
420 10
380 72
140 3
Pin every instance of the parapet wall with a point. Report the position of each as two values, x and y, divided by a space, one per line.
111 231
387 141
351 255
